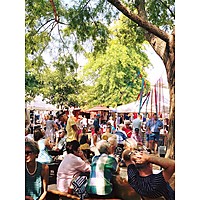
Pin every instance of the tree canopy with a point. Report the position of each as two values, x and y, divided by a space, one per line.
116 73
63 30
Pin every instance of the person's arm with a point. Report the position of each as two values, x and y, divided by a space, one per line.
167 164
48 144
45 178
94 139
79 137
55 126
75 129
160 126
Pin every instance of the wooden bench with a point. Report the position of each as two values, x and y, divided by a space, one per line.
54 194
101 199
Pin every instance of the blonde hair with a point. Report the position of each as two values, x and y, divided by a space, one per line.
113 140
130 143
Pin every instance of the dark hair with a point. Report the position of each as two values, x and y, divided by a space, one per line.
37 134
72 146
51 117
84 129
60 113
33 146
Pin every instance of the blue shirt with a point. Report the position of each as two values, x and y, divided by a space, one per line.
33 183
154 124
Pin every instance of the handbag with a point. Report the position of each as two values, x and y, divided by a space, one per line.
79 184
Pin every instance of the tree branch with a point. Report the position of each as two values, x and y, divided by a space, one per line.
172 13
157 44
85 4
54 10
44 25
64 44
140 21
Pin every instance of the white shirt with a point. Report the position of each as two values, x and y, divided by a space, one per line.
137 123
70 166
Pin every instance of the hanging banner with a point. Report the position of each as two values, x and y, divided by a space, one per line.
141 93
146 99
156 103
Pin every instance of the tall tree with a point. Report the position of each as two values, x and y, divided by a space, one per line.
116 74
60 83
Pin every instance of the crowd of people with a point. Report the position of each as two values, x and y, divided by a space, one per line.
98 150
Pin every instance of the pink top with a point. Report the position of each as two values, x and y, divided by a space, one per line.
70 166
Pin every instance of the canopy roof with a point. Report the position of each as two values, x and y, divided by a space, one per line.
98 108
39 104
133 107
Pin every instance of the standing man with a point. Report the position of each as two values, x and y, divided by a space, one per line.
96 122
137 123
71 128
153 127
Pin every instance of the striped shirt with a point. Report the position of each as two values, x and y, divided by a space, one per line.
102 167
152 186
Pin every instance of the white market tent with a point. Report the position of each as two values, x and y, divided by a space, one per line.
39 104
127 108
133 107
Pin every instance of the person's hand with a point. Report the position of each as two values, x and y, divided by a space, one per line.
81 155
140 157
28 198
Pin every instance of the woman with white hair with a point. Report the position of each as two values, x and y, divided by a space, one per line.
102 167
113 144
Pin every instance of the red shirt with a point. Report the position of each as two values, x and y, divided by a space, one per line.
128 131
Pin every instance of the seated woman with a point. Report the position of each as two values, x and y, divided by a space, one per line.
73 164
102 167
36 174
83 137
95 138
85 142
44 145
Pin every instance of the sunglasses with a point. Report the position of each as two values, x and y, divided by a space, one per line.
28 152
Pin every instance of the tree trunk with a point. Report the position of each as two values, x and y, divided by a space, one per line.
171 136
166 51
169 62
